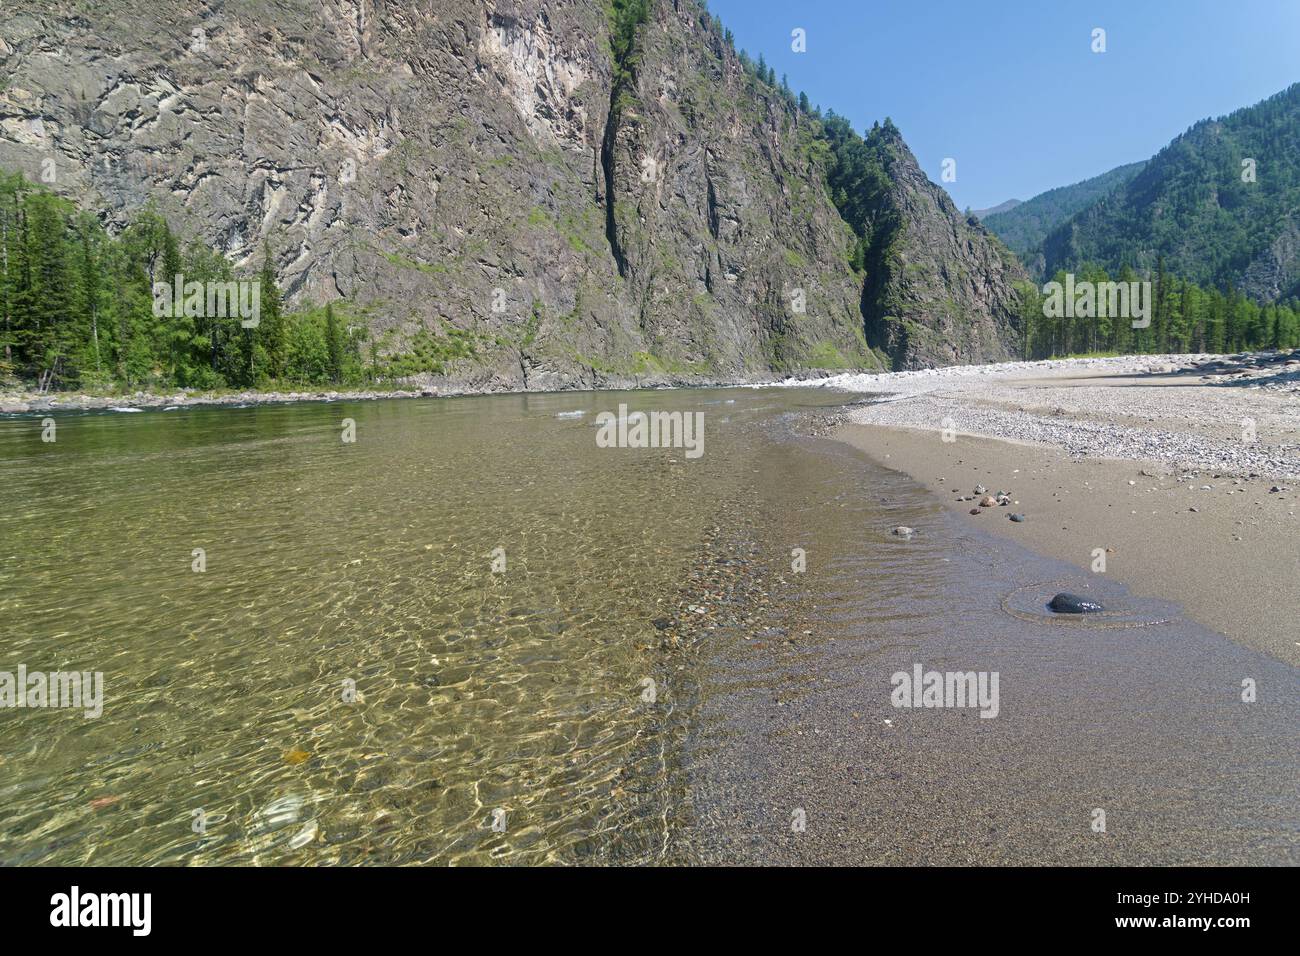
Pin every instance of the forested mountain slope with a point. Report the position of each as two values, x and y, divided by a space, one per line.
1025 226
1220 205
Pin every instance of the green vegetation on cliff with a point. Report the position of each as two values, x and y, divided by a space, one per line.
1220 204
78 309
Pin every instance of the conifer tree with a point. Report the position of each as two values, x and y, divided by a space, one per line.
270 330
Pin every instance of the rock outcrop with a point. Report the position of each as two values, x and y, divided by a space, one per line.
940 288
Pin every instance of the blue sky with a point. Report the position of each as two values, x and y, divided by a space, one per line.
1011 89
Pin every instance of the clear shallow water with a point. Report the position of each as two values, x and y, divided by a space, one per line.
370 562
523 691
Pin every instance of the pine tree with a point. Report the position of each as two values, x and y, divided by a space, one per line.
90 289
49 335
334 341
270 335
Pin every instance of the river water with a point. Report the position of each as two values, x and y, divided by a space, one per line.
475 636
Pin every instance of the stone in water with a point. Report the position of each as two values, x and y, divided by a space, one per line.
1065 603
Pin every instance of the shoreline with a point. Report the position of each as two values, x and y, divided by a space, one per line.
17 402
794 712
1183 510
1269 371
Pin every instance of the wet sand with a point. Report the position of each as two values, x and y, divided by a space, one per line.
1183 470
1233 563
1142 720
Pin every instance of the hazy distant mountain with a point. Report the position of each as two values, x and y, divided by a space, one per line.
1000 207
1023 226
1220 204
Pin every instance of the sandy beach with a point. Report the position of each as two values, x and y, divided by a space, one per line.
1137 712
1180 470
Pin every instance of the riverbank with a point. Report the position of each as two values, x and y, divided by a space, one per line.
1269 371
19 401
1149 464
1134 723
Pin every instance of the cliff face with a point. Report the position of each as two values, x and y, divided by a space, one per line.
940 287
581 211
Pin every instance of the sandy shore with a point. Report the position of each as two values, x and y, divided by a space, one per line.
1142 459
793 721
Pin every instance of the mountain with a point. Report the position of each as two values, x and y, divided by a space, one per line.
1010 204
940 289
1024 226
574 193
1220 205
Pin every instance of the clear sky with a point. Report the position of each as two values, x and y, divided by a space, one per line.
1011 89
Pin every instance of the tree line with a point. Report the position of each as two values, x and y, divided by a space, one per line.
1183 317
79 308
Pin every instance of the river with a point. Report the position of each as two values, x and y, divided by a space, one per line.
472 635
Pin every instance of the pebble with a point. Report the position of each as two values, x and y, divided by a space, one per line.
1110 430
1067 603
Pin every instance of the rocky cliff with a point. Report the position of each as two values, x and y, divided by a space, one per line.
940 288
583 193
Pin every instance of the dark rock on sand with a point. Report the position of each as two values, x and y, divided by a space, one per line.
1065 603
